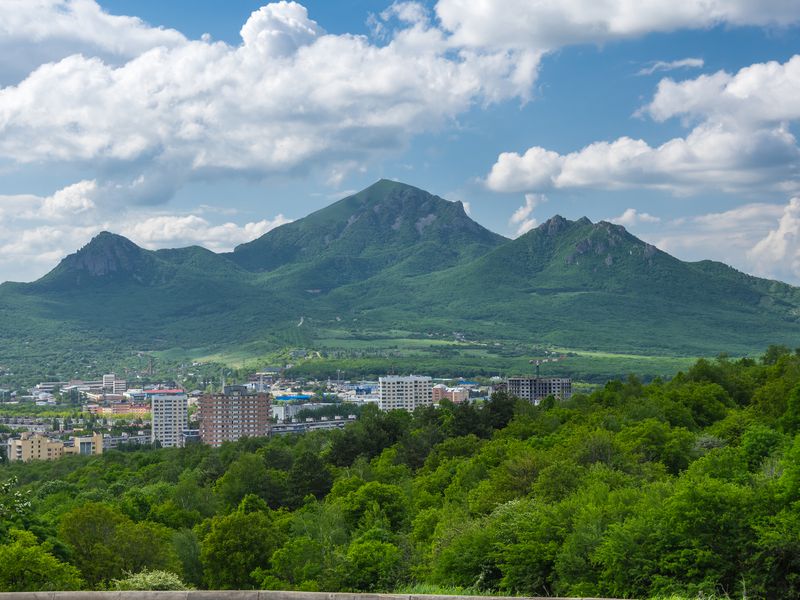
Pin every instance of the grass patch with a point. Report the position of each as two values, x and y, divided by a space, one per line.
427 589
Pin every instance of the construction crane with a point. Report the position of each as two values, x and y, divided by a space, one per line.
539 361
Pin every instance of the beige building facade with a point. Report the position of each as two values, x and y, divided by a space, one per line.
36 446
405 392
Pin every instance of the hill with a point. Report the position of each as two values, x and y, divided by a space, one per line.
396 274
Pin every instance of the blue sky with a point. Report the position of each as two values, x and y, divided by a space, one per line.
150 128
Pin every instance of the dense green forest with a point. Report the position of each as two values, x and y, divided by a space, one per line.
685 486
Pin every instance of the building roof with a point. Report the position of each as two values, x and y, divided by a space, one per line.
293 397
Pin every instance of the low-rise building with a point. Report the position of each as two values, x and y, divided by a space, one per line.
36 446
125 408
85 445
141 439
455 394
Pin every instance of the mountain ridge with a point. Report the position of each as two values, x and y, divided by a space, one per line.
394 258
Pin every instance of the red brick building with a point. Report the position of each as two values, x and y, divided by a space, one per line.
233 415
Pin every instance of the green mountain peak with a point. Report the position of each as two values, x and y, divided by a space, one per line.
380 227
106 257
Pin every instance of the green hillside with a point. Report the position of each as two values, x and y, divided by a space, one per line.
397 267
586 285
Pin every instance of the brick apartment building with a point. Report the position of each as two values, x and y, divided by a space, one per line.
232 415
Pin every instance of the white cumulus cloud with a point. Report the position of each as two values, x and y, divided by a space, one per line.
757 94
169 231
279 29
34 32
150 110
632 217
550 24
743 142
289 98
778 253
523 218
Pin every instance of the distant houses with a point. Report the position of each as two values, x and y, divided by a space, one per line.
268 404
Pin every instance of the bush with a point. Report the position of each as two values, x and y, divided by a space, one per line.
150 580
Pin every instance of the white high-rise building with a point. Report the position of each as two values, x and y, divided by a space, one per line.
406 393
169 416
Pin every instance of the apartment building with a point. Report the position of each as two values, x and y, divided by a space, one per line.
232 415
534 389
36 446
404 392
169 413
454 394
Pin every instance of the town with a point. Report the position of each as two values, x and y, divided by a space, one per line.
114 416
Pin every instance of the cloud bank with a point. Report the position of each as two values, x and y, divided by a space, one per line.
742 141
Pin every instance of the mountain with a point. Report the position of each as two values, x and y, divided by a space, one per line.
107 258
388 227
594 285
391 262
112 260
113 290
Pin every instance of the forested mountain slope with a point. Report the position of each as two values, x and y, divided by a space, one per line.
394 258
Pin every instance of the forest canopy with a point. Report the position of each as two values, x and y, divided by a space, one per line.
684 486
